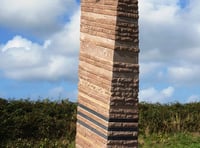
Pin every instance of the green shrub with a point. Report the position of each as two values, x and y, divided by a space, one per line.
24 119
25 123
169 118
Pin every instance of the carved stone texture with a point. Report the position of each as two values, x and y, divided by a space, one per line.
108 75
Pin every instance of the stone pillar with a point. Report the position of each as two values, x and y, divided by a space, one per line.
108 74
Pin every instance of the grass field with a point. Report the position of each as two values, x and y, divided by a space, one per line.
178 140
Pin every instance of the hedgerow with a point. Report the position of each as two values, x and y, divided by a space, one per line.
45 123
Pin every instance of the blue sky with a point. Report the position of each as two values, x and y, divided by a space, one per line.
39 46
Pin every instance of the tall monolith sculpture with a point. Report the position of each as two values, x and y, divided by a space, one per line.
107 115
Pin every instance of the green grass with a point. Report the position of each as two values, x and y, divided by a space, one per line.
40 143
179 140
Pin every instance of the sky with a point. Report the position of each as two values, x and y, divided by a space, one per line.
39 48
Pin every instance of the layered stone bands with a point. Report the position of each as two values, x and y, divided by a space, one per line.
108 74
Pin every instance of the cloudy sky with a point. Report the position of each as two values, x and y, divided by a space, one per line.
39 47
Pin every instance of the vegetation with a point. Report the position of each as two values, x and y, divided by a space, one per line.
48 124
33 124
169 118
176 140
169 125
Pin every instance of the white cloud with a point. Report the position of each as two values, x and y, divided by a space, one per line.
193 98
153 95
164 35
17 42
39 17
20 52
158 11
56 59
169 38
68 38
185 75
147 69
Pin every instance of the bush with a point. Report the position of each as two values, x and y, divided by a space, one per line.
26 123
24 119
169 118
